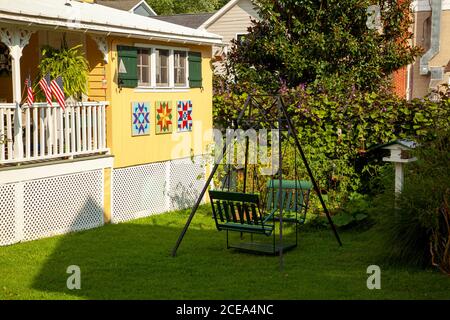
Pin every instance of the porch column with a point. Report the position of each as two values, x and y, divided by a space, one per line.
16 39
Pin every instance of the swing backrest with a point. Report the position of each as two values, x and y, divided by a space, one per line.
294 195
235 207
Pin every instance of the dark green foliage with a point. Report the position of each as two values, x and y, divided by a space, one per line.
337 129
414 226
354 212
327 42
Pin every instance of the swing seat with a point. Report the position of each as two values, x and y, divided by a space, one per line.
295 199
239 212
235 211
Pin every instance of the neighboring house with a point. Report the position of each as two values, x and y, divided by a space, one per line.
230 22
132 149
431 29
140 7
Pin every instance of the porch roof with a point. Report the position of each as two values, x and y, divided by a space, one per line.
94 18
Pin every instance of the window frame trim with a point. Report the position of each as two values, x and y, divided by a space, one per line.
171 66
150 67
186 69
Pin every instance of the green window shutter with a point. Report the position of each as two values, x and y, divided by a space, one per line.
195 69
128 60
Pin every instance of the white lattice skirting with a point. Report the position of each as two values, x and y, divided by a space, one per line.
149 189
45 207
53 205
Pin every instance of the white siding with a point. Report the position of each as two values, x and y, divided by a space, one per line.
235 21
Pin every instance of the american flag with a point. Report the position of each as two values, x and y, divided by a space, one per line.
45 86
30 92
58 91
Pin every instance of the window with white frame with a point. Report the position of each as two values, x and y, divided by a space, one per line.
144 67
180 68
162 67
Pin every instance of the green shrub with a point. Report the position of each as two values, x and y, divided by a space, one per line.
415 226
337 129
354 212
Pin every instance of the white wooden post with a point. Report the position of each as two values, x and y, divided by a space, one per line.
35 132
67 130
396 147
16 39
73 147
399 177
9 135
94 127
16 52
78 128
103 108
27 133
83 128
89 128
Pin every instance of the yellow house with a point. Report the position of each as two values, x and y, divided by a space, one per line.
133 146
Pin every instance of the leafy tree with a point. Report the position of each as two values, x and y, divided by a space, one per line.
167 7
161 7
324 41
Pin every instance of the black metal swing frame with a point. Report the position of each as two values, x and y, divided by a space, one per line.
259 120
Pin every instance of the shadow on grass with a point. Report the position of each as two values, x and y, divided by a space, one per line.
132 261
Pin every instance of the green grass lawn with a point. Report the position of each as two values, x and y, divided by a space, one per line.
132 261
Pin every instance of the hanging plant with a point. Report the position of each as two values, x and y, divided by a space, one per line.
70 64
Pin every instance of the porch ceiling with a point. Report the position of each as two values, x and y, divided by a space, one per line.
87 17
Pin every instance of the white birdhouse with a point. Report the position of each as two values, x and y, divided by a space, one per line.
400 154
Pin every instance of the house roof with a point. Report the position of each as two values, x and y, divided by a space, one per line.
219 14
193 20
404 143
95 18
126 5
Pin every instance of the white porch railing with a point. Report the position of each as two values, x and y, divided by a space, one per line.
45 132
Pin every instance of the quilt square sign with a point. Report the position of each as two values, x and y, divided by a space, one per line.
140 122
164 117
184 114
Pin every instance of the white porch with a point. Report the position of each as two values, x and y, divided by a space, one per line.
41 132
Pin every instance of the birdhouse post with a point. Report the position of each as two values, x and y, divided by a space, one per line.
399 155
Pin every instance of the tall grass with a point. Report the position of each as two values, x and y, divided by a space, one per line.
415 226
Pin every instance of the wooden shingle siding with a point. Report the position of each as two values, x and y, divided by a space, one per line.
236 20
